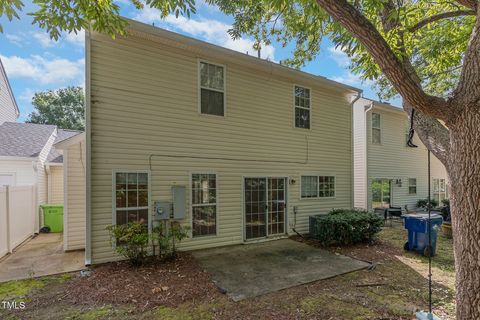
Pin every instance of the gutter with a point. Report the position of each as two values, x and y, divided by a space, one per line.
88 206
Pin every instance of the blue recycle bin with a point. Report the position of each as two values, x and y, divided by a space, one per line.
417 226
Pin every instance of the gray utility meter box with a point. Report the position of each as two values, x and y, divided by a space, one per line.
179 202
163 210
167 210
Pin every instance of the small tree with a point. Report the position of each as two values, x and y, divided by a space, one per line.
64 108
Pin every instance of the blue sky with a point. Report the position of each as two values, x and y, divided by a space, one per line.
35 63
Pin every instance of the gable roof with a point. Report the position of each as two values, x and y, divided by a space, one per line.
202 48
62 134
23 139
4 74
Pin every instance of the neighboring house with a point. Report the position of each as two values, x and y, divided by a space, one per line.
257 147
27 157
8 106
386 171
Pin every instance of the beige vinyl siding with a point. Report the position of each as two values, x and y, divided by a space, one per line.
145 101
392 159
8 111
55 188
74 162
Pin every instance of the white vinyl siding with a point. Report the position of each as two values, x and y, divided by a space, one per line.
153 77
8 111
391 160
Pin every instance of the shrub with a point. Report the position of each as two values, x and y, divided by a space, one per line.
345 227
166 238
131 241
423 203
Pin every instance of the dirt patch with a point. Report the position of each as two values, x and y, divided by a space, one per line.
169 283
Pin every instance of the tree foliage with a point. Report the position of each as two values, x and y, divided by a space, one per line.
64 108
432 35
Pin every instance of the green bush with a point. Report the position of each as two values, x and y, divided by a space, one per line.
166 238
131 241
345 227
423 203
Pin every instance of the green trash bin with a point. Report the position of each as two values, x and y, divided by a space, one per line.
53 217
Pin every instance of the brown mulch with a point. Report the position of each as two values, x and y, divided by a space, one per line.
166 283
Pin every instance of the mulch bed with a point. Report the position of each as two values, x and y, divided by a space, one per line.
166 283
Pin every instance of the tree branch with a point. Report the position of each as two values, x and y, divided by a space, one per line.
400 73
440 16
468 89
472 4
434 135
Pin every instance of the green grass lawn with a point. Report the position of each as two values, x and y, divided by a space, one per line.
395 289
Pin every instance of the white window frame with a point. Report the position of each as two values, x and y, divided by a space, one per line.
199 79
318 186
379 128
444 193
295 107
410 185
114 195
191 204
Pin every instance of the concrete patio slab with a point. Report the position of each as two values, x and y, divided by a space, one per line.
40 256
246 271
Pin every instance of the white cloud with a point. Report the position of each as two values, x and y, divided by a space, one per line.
44 39
27 95
210 30
339 56
16 39
44 71
351 79
76 38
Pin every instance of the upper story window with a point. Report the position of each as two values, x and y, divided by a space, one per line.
212 89
376 129
302 107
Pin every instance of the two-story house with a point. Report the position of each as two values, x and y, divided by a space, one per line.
387 172
8 105
257 147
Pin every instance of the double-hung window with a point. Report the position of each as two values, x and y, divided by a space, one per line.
412 186
302 107
212 89
131 197
204 204
317 187
440 190
376 129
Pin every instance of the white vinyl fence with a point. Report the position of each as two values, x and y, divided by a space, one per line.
17 216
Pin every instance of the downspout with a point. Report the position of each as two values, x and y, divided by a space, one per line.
48 171
88 212
367 189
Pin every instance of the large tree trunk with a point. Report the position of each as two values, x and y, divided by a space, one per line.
464 173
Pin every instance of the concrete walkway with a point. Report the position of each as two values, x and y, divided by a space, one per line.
251 270
40 256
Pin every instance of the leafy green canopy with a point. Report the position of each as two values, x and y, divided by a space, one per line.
63 107
435 48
